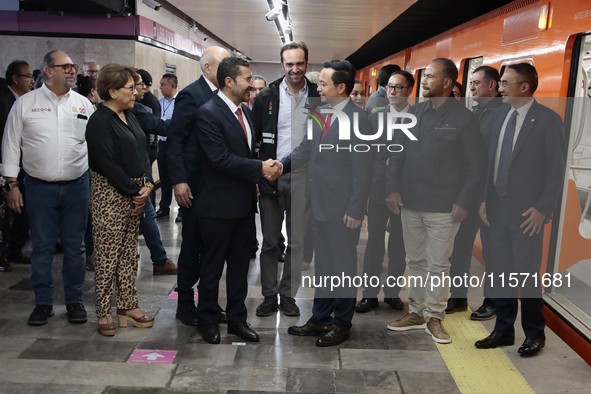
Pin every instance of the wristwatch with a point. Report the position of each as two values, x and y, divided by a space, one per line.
9 186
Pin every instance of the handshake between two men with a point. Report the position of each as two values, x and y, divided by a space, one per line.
272 169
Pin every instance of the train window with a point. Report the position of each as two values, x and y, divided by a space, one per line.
572 257
471 65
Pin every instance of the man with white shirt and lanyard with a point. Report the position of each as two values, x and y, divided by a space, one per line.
399 89
168 87
272 118
48 125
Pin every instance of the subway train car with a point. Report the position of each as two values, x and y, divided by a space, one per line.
556 38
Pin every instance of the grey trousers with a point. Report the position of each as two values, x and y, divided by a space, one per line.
290 202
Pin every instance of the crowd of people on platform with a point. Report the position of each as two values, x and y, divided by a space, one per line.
77 155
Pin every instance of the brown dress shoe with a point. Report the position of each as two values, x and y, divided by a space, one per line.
169 268
334 337
141 322
308 329
5 266
19 258
90 263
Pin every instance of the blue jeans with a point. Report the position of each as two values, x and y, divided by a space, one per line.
57 209
149 228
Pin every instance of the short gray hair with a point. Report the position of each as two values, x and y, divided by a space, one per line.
48 61
256 77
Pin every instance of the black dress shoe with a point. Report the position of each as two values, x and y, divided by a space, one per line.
366 305
280 257
186 312
308 330
162 213
495 339
211 333
484 313
334 337
40 315
76 313
288 306
532 346
223 316
243 332
267 307
456 305
178 219
394 303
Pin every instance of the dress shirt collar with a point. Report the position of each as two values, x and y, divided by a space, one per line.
211 85
172 98
228 102
392 109
52 95
16 96
521 111
303 90
340 106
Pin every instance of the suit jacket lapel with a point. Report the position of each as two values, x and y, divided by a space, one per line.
231 117
205 89
526 128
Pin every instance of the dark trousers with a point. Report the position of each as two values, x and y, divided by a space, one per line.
165 185
517 253
461 258
225 241
336 255
189 257
377 220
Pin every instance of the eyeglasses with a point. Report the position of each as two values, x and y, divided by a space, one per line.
504 84
248 80
131 88
91 72
67 67
456 94
141 84
397 88
323 85
30 76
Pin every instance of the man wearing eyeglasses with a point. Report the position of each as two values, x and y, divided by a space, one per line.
432 183
19 79
90 68
399 89
48 126
525 179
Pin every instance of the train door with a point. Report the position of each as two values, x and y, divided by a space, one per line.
570 260
471 65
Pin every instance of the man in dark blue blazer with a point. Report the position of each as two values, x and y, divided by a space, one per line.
226 198
338 188
183 166
525 179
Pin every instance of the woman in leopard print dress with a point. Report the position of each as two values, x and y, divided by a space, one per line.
120 186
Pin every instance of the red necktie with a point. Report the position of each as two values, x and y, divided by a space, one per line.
325 129
239 113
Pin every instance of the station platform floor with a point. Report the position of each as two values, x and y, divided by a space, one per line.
63 358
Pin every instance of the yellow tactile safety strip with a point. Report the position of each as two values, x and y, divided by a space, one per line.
481 371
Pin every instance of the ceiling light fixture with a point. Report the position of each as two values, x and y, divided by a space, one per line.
279 13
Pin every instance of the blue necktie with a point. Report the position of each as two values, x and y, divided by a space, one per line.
505 157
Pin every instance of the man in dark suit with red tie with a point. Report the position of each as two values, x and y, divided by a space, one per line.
183 172
525 179
338 188
226 198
